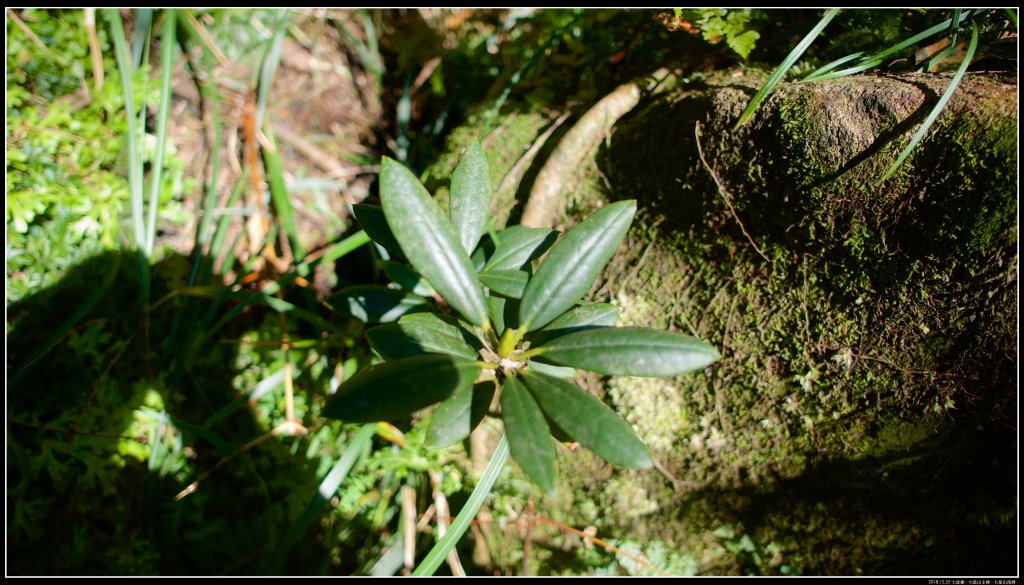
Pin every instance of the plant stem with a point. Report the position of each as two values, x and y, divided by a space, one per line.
508 342
437 555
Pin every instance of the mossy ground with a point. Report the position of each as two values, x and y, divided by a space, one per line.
862 417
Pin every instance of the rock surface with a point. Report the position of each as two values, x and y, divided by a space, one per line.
862 419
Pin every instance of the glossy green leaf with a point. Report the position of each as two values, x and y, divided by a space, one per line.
482 255
375 304
396 389
555 371
407 278
585 316
470 198
496 307
529 437
418 336
459 414
507 283
517 250
371 219
587 420
573 264
629 351
429 242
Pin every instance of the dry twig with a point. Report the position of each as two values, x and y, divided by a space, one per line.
724 193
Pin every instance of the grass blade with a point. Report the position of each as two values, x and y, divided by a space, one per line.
437 555
134 159
279 195
843 72
785 66
328 487
143 22
167 46
938 107
269 65
826 68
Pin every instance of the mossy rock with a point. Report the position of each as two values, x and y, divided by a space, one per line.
862 417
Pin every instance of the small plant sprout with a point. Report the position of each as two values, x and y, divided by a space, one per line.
505 317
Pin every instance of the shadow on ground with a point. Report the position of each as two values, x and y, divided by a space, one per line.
106 426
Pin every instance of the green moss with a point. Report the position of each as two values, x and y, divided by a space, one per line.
504 146
877 333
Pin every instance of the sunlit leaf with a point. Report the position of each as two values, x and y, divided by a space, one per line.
587 420
555 371
518 249
785 66
470 197
496 307
939 106
429 242
482 255
417 336
629 351
375 304
507 283
585 316
573 264
396 389
529 437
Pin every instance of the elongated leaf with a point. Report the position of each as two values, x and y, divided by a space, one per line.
468 512
585 316
410 338
829 67
371 219
573 264
496 307
429 242
396 389
459 414
519 249
280 197
444 324
328 487
507 283
407 278
470 197
375 304
629 351
934 114
529 438
555 371
488 245
785 66
482 254
845 72
587 420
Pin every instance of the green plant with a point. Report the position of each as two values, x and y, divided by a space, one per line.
861 61
504 320
718 24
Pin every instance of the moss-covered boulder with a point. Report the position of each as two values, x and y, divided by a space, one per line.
862 419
